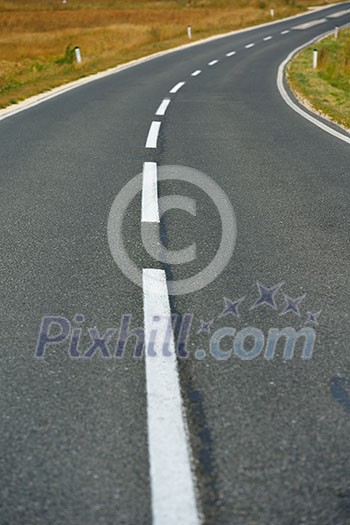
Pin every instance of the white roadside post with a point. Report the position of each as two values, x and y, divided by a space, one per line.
272 13
78 55
314 59
189 32
336 31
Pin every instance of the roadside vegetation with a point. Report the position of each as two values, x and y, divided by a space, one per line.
327 88
37 36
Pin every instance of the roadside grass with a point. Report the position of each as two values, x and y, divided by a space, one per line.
327 88
35 34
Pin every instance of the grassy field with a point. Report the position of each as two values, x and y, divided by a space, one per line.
327 88
35 34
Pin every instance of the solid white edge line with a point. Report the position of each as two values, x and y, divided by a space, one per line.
173 492
267 38
35 100
296 107
163 107
153 133
149 204
177 86
196 73
248 46
213 62
231 53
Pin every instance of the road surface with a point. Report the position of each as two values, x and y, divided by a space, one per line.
268 439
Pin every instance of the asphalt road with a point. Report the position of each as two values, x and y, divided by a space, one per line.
269 438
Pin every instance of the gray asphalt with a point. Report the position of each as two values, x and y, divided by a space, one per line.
269 437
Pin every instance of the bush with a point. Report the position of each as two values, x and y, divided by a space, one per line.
68 57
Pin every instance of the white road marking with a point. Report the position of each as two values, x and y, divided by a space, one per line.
294 106
153 133
163 107
149 208
196 73
213 62
341 13
176 88
267 38
307 25
231 53
172 483
285 32
248 46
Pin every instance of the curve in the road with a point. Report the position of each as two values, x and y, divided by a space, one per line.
171 470
162 414
296 106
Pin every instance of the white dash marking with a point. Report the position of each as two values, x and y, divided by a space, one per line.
172 484
267 38
248 46
231 53
163 107
176 88
153 133
311 24
213 62
149 208
285 32
196 73
340 13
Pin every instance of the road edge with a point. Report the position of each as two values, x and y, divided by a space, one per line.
297 106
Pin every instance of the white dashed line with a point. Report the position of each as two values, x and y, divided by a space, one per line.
285 32
176 88
340 13
196 73
172 484
311 24
153 135
248 46
213 62
231 53
163 107
267 38
149 208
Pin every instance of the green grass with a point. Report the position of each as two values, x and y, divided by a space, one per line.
326 88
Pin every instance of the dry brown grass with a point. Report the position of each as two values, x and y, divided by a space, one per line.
35 33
